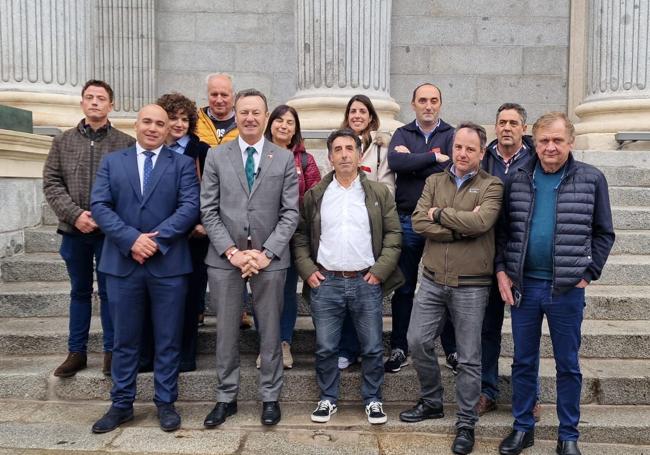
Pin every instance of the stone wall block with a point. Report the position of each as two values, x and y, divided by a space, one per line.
462 60
549 60
433 31
184 56
522 32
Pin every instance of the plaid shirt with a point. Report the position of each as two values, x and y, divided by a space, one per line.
70 168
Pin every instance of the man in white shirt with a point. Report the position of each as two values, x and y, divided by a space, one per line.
346 248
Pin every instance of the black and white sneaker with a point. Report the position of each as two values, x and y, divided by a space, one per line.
323 412
396 361
452 362
375 413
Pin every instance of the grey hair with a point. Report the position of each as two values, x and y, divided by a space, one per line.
211 76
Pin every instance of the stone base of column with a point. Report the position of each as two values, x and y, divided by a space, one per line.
326 112
60 111
601 120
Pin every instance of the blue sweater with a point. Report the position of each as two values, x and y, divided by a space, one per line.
539 254
412 169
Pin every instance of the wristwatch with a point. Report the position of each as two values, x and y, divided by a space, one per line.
269 255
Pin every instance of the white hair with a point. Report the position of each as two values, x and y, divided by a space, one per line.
224 75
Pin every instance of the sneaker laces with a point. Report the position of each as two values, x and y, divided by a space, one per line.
396 354
324 405
375 406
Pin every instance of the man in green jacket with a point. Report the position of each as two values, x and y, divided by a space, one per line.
456 214
346 249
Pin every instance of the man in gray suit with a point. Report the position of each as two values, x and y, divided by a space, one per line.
249 207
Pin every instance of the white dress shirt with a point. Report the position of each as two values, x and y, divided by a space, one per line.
141 158
257 156
345 239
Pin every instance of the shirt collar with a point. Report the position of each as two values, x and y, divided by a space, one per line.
140 149
465 177
243 145
514 157
356 183
432 131
212 116
184 141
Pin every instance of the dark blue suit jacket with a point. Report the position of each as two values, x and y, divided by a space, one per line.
170 206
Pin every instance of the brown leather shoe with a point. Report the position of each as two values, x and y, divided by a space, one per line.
485 405
246 321
75 361
537 412
108 359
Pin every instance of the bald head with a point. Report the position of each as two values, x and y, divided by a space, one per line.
151 126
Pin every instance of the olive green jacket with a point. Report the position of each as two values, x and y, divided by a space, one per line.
459 248
385 231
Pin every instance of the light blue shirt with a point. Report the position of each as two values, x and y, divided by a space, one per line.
464 178
180 145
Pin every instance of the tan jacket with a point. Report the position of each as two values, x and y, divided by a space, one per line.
374 160
459 250
206 131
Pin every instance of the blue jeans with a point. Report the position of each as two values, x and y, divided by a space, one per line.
78 252
564 315
465 305
329 304
402 301
491 345
290 308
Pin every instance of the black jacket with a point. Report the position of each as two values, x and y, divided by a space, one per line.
494 165
197 150
412 169
584 232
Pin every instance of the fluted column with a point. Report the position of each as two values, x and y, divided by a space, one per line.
45 59
616 94
125 51
50 48
343 48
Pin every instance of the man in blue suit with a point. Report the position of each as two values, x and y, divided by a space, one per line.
146 200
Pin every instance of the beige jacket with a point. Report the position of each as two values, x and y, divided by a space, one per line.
374 160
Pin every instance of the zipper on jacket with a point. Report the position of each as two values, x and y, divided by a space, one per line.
90 170
557 196
526 233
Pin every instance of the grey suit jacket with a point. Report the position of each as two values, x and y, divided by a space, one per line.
230 213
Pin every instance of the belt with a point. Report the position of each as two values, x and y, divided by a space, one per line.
344 273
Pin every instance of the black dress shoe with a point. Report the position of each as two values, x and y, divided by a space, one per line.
112 419
421 411
464 441
271 413
168 417
218 415
567 448
517 441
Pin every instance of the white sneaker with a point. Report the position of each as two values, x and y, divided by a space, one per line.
375 413
344 362
323 412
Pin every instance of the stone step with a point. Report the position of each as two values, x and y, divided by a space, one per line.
34 267
600 339
635 218
626 176
632 242
605 382
53 427
626 270
629 196
51 298
622 159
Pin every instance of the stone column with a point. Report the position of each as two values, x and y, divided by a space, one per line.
50 48
45 57
343 48
615 70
